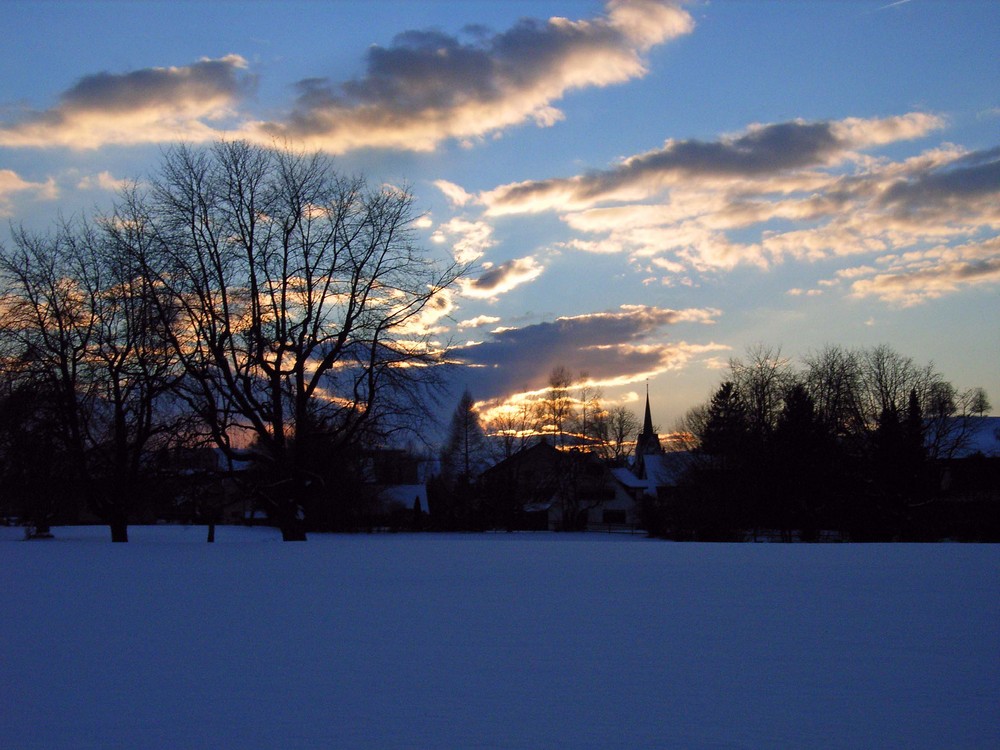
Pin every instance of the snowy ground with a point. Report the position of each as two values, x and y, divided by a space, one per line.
493 641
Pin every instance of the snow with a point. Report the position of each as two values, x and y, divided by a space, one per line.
493 641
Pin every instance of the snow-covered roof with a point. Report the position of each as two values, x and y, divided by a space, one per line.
538 507
405 494
665 469
973 435
661 469
628 479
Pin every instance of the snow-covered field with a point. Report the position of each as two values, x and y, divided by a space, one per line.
493 641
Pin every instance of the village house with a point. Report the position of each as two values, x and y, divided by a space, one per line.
654 473
542 487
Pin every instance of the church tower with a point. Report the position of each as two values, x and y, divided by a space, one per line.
648 442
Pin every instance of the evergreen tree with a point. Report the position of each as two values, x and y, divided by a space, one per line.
462 459
465 450
717 499
726 427
800 457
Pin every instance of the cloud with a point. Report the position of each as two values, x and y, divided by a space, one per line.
150 105
469 239
11 183
777 193
102 181
428 86
430 320
964 179
759 152
914 278
479 321
424 88
455 194
894 4
502 278
857 132
614 348
940 196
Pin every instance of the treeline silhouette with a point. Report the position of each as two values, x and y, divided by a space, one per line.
862 444
249 325
248 301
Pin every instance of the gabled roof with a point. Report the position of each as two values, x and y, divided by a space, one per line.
659 470
666 469
629 480
972 436
405 494
540 451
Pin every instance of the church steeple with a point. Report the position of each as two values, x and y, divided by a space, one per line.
648 442
647 424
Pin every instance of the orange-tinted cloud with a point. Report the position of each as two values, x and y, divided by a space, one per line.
761 152
428 86
787 191
614 348
916 277
151 105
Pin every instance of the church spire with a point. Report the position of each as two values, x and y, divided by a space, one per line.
647 424
648 441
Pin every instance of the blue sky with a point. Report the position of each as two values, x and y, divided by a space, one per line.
646 188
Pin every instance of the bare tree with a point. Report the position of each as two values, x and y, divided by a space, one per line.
887 378
298 298
591 416
761 381
975 401
833 379
511 427
85 319
619 429
555 409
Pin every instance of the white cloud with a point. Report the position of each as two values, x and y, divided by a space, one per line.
151 105
469 240
762 152
102 181
455 194
917 277
502 278
615 348
479 321
12 184
773 193
428 86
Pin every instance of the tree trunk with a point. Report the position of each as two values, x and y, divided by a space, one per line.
119 528
292 530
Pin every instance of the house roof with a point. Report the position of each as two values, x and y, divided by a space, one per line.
666 469
976 435
661 470
629 480
404 494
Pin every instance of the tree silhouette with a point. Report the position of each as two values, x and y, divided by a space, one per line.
298 301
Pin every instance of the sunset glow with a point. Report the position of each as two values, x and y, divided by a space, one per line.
642 188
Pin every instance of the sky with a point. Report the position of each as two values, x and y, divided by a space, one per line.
644 189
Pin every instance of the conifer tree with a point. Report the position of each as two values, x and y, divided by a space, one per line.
464 451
